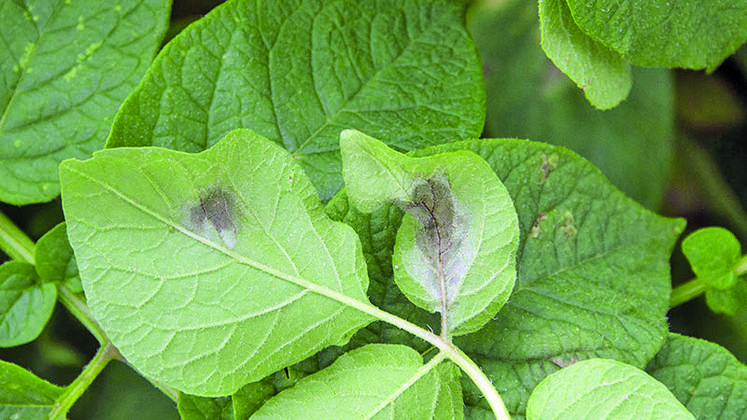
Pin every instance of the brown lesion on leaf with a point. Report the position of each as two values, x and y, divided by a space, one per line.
433 206
549 164
563 363
214 211
568 225
536 230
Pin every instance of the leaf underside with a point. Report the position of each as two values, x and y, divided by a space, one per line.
202 304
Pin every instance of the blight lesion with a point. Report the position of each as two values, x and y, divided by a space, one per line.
213 215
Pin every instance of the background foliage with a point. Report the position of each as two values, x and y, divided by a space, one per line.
676 145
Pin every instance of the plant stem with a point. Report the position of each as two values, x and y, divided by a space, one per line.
687 291
14 242
80 311
73 391
696 287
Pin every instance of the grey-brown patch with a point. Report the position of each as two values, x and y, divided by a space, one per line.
549 164
568 227
563 363
535 231
215 213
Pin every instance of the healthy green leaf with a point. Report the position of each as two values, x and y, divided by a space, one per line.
455 250
222 287
66 68
712 253
299 72
593 277
200 408
250 397
704 376
665 33
54 259
24 395
529 98
731 301
25 303
601 73
605 390
376 381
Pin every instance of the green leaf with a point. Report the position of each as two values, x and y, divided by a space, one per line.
731 301
250 397
222 288
664 33
375 381
593 270
66 68
299 72
25 303
54 259
529 98
23 395
603 389
455 250
200 408
704 376
712 253
601 73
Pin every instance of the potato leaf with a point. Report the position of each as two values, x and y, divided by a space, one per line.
233 265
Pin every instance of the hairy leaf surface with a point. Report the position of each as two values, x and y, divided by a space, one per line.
234 262
455 250
696 34
605 390
377 381
66 68
24 395
601 73
299 72
593 278
704 376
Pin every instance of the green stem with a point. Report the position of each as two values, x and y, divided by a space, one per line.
687 291
14 242
80 311
73 391
696 287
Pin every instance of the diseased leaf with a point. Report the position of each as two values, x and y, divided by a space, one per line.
66 68
713 252
214 296
601 73
704 376
593 271
455 250
23 395
529 98
54 259
25 303
299 72
605 390
376 381
665 33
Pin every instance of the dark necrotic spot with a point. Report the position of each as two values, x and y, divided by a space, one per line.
215 211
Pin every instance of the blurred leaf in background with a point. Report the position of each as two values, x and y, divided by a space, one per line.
528 97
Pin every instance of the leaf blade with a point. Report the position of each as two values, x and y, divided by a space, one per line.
70 65
26 304
386 68
167 304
